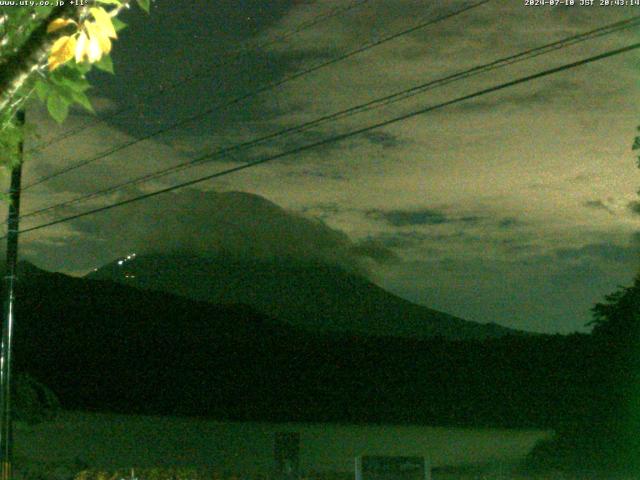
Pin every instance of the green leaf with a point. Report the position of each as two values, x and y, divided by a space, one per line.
144 5
105 64
58 107
636 144
118 24
110 2
76 84
42 89
68 85
10 137
83 100
83 68
69 78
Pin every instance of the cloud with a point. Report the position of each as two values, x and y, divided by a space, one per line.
508 222
385 140
608 252
210 223
544 295
598 205
400 240
374 250
383 193
402 218
419 217
554 93
634 207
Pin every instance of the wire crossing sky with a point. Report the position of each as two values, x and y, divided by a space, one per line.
262 89
479 209
164 90
340 137
387 99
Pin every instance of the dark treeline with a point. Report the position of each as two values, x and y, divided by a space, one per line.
603 432
107 347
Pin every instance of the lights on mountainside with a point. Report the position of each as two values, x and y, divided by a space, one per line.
124 260
131 256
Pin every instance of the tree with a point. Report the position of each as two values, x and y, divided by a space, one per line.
48 51
604 433
618 318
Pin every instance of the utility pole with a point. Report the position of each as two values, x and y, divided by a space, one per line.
6 430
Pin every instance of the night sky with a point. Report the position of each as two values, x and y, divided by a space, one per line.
517 207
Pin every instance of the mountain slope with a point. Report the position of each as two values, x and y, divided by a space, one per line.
105 346
314 296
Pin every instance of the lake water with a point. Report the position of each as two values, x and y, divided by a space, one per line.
122 441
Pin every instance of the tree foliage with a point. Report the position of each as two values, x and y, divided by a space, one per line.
601 435
618 317
604 433
46 52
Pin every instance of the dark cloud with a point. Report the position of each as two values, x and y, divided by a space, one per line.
402 218
558 296
186 33
634 207
182 38
518 246
322 152
215 55
423 216
555 92
326 175
508 222
609 252
208 223
383 139
400 240
322 210
428 242
581 178
597 205
374 250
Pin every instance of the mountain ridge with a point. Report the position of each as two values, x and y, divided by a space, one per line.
315 296
104 346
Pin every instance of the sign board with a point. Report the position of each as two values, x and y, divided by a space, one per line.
286 450
369 467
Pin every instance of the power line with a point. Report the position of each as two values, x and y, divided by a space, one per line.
257 91
376 103
205 72
341 137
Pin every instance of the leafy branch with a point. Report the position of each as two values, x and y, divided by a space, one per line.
49 51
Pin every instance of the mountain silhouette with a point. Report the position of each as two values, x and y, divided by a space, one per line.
105 346
315 296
